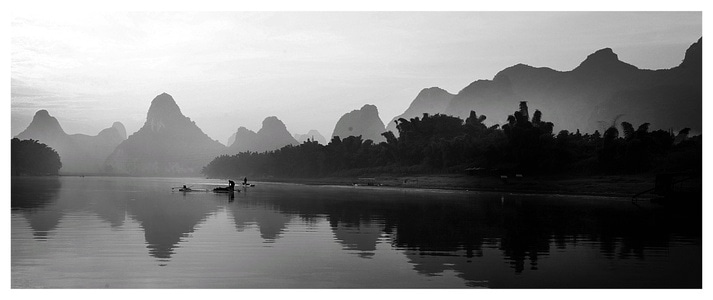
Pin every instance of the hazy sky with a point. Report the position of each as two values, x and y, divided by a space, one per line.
233 69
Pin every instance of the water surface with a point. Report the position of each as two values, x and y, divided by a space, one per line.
114 232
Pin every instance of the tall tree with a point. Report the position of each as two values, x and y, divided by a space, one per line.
29 157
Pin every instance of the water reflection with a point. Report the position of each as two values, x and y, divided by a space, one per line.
166 221
36 197
491 240
439 232
110 206
358 236
28 193
247 211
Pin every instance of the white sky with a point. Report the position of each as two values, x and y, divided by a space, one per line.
231 69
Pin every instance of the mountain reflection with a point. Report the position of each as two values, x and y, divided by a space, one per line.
486 239
439 232
45 200
360 236
167 220
353 216
270 221
110 206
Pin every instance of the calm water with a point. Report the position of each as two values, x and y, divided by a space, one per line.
104 232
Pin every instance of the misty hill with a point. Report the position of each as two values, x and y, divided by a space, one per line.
231 139
364 122
312 135
592 95
431 100
169 143
273 135
79 153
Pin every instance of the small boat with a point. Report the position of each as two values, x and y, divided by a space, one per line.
229 189
225 190
188 190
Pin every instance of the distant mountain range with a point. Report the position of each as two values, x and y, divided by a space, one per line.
273 135
591 96
169 143
79 153
312 135
364 122
431 100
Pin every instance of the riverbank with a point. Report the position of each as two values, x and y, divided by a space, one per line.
604 185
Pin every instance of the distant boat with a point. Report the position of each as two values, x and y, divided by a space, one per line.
186 189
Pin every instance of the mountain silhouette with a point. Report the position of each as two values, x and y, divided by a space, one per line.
432 100
592 95
364 122
273 135
312 135
79 153
668 99
44 128
168 144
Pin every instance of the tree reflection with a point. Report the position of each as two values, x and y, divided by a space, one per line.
28 193
439 232
36 198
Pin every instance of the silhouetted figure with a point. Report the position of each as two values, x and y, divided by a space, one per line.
245 181
229 189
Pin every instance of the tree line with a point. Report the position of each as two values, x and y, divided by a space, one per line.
446 144
30 157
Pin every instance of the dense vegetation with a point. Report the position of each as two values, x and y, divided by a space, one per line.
30 157
445 144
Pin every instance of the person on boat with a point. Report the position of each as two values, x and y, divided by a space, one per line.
245 181
184 188
229 189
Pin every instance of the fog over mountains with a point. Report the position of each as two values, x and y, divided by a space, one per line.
168 143
590 97
273 135
79 153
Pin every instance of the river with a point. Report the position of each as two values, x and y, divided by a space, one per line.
126 232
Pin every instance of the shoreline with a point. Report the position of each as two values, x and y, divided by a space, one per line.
620 186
